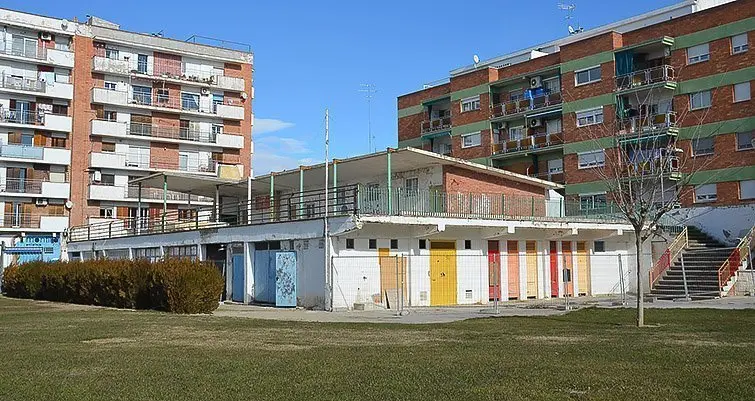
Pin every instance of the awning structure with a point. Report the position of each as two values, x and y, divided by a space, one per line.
194 184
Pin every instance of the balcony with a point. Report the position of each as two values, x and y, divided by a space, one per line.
170 71
131 194
517 107
435 125
35 153
18 118
662 76
529 143
160 102
36 87
654 168
145 162
553 176
55 57
171 133
647 126
27 221
30 187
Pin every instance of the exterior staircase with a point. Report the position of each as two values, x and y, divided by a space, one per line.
703 256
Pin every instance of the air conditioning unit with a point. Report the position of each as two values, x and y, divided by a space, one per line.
41 202
45 35
205 91
536 82
536 122
97 176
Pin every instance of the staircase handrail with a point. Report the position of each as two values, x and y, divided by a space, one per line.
669 255
739 254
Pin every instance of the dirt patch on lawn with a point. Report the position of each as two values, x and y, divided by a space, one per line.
554 339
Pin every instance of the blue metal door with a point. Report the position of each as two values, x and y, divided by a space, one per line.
237 290
285 279
264 276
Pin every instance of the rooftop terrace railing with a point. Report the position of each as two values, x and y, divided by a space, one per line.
357 201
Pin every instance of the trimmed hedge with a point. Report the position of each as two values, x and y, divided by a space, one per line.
173 285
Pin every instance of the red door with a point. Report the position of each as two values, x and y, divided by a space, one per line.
494 271
554 268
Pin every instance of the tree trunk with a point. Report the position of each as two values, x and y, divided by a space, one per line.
640 296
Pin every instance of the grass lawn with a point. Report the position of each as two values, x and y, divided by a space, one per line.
60 352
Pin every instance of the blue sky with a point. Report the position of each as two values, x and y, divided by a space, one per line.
310 55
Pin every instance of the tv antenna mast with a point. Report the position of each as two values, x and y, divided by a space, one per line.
569 8
369 91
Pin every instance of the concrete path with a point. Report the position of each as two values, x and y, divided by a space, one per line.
427 315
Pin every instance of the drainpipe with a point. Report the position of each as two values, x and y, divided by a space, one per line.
390 189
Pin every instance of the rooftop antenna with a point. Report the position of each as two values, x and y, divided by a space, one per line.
369 91
569 8
158 34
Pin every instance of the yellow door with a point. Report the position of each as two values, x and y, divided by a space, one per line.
531 269
442 273
583 266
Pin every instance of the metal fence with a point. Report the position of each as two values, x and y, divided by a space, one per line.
396 280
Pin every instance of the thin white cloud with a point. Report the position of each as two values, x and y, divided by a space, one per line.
275 153
267 125
283 145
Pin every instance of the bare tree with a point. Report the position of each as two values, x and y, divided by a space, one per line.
645 170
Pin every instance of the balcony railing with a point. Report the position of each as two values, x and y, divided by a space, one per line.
22 151
182 133
557 177
19 116
650 76
523 105
22 84
531 142
132 192
21 186
651 168
639 125
26 220
435 125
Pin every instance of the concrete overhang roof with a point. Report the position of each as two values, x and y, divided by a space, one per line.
195 184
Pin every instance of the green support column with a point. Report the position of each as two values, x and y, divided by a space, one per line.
390 189
272 196
165 199
300 207
335 185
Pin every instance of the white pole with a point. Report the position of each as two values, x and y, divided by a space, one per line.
326 233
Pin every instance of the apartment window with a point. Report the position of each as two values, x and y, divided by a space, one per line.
216 130
142 94
471 140
372 244
697 54
181 252
422 244
590 117
703 146
349 243
216 100
592 201
163 95
516 133
747 189
470 104
592 159
553 126
742 92
107 212
599 246
141 63
111 53
467 244
152 254
411 186
394 244
111 86
745 140
587 76
58 142
109 115
556 166
189 101
699 100
60 109
516 95
552 85
739 44
108 147
107 179
705 193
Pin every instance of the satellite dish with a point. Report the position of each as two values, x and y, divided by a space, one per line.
571 30
69 205
64 24
244 95
476 59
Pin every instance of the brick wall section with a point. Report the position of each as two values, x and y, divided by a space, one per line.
456 179
723 144
165 120
458 118
174 93
722 107
472 79
163 155
246 124
409 126
475 152
416 98
83 82
572 92
529 66
587 47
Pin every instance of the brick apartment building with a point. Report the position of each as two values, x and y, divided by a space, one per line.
84 107
537 111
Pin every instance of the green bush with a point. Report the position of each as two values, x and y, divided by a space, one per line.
174 285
